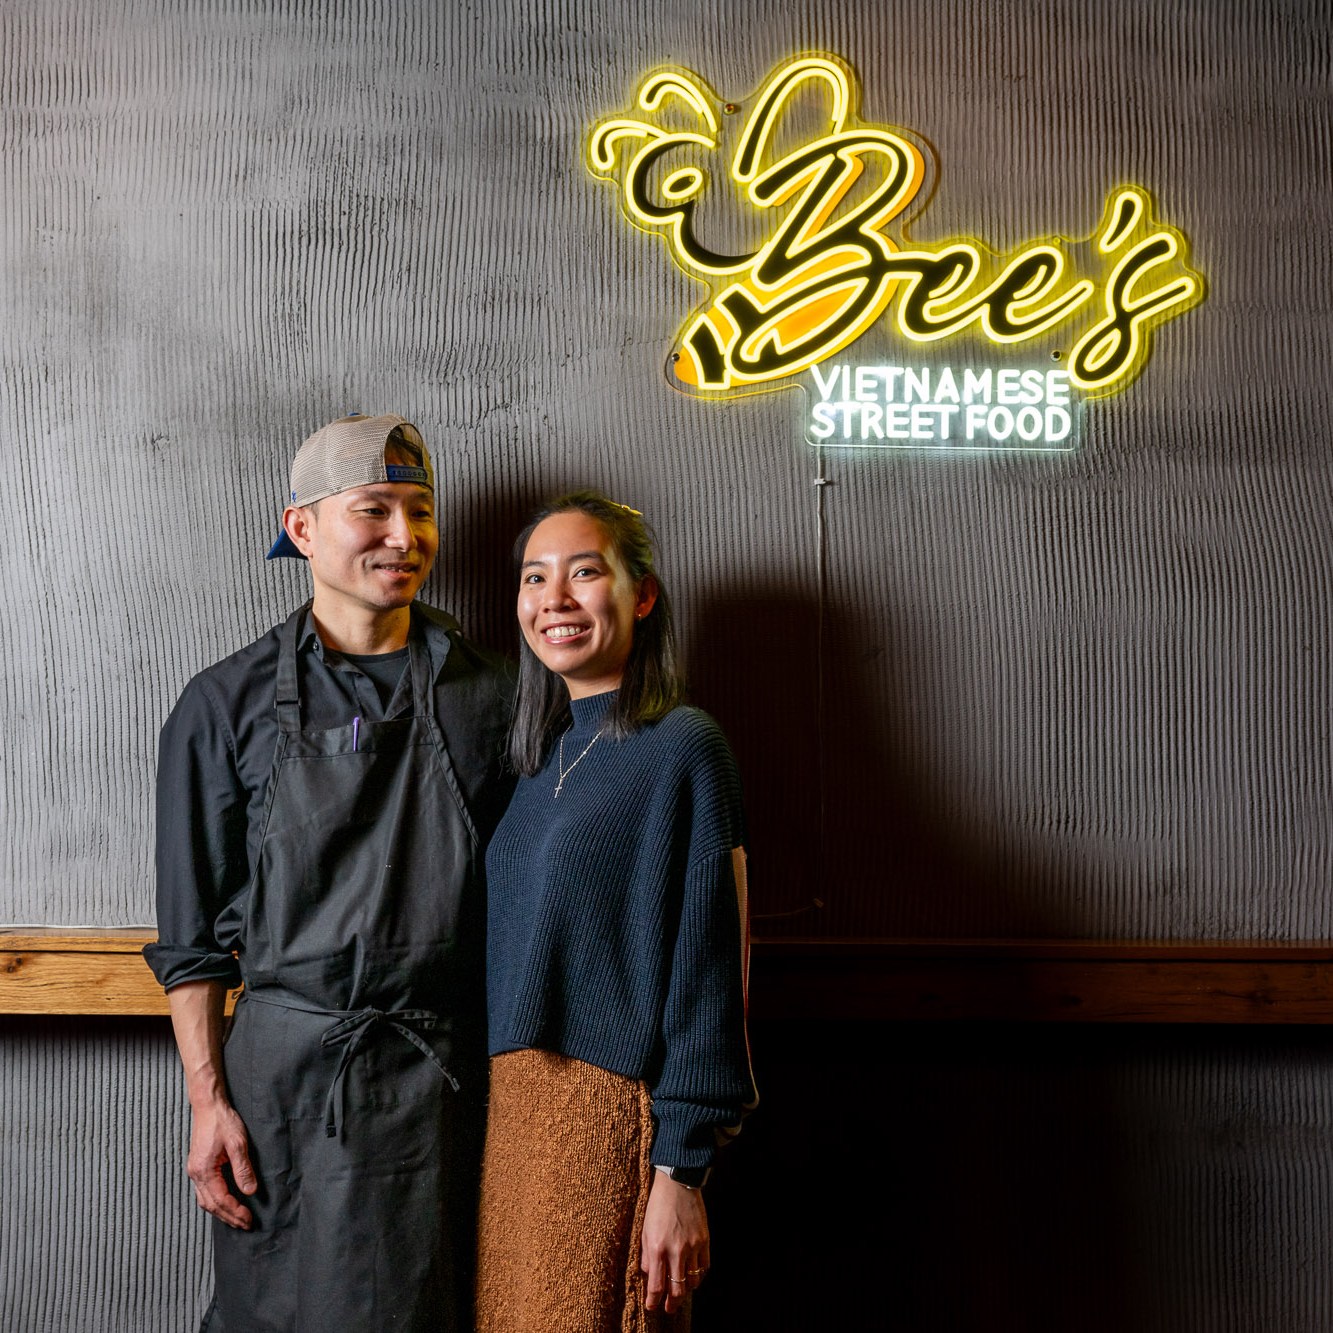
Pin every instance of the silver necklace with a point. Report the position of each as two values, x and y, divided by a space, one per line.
565 772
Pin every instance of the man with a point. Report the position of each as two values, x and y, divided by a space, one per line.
324 796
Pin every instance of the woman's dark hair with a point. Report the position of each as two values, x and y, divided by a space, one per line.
651 685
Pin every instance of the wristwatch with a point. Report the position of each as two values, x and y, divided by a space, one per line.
692 1177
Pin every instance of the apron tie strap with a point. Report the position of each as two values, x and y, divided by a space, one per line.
354 1029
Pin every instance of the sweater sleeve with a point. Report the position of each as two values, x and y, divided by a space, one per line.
705 1085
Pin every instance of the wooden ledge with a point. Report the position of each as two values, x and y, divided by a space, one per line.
1117 950
58 970
1044 981
61 971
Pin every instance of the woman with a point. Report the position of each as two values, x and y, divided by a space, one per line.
615 951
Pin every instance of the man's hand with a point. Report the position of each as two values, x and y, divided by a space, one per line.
675 1243
218 1142
218 1145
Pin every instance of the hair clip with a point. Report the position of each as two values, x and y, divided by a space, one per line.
629 509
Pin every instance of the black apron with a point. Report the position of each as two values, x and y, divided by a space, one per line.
342 1055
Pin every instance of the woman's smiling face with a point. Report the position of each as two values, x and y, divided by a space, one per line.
577 603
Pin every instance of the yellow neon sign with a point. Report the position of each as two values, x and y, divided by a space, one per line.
830 270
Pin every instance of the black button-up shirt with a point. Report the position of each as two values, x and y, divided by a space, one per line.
215 760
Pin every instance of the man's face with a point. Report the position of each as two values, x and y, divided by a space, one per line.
369 548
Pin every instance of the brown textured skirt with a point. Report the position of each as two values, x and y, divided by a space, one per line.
564 1187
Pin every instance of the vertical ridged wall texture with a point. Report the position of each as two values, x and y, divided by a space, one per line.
1082 695
98 1230
1020 695
1039 1180
1078 694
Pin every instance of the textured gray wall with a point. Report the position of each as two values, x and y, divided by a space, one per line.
1084 694
98 1230
1081 695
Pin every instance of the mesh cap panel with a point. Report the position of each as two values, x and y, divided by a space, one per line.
348 453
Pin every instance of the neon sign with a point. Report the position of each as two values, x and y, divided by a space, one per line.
909 407
837 260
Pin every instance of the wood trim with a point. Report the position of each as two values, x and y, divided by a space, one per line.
60 971
1044 981
1119 950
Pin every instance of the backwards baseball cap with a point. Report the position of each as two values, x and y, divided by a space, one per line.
346 453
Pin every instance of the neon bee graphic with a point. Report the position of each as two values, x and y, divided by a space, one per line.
836 260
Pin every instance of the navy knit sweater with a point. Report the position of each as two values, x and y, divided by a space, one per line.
614 930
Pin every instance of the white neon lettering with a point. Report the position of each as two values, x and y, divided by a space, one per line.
916 386
918 407
826 385
976 386
1029 424
1032 386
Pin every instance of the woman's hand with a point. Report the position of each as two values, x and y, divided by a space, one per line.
675 1243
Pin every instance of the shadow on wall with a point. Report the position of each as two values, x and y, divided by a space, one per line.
925 1179
912 1177
885 851
1042 1178
473 576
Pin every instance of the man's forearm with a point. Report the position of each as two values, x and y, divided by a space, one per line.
218 1140
197 1012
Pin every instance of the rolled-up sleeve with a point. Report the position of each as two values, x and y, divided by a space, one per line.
201 858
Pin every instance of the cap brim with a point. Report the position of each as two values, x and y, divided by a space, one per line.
283 547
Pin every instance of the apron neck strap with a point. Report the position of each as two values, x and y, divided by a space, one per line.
418 657
288 702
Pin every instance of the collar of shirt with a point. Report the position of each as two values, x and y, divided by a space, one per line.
434 625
